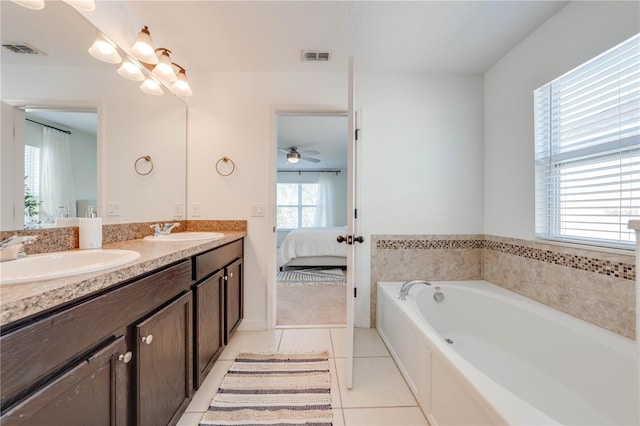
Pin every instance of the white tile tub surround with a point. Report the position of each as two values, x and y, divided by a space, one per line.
635 225
590 284
540 367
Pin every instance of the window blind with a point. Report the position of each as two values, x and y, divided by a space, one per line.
587 133
32 169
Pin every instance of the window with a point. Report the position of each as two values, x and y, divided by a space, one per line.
587 130
32 170
31 184
296 205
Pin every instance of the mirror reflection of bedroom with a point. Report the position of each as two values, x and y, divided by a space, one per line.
311 211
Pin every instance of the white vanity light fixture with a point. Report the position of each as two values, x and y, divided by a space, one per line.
151 86
181 86
164 68
143 49
105 50
30 4
143 64
131 70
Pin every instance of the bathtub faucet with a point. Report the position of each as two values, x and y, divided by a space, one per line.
404 290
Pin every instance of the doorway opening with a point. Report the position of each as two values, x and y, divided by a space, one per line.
311 212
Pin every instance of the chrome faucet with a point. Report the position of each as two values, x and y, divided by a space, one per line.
13 247
404 290
164 229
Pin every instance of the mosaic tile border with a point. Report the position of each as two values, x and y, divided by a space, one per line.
621 270
428 244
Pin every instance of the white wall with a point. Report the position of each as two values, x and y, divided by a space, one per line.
577 33
420 162
419 159
84 155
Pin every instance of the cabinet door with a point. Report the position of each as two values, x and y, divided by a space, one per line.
164 369
234 298
93 392
209 324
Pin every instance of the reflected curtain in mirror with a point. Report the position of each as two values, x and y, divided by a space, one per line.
56 184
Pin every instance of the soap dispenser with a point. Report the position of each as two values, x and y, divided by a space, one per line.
90 230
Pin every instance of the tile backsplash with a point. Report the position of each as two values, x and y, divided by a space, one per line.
598 287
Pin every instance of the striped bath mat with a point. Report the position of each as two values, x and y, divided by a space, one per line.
274 389
311 276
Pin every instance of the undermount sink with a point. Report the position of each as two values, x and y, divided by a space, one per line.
46 266
186 236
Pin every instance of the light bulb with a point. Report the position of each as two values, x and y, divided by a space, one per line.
151 87
130 70
104 50
164 69
143 49
181 86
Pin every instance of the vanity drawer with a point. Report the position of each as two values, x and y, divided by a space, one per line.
28 355
216 259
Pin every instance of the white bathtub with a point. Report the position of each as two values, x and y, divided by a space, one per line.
511 361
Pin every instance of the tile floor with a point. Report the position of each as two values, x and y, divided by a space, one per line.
380 396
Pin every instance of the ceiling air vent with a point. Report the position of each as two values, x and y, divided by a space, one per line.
315 56
22 48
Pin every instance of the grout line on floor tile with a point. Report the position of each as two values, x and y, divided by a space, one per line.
280 340
333 350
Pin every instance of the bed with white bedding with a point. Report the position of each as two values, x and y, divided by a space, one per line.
313 247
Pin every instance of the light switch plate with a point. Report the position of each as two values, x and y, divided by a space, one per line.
178 211
113 208
257 209
195 209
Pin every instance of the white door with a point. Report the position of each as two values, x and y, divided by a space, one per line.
352 238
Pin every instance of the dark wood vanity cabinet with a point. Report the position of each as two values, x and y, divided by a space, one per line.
164 373
80 364
208 324
91 392
130 355
233 298
218 295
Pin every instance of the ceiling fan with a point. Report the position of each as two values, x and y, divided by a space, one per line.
293 155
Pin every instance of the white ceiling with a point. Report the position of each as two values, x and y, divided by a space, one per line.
84 121
425 36
460 37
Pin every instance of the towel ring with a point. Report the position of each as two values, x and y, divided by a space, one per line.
225 160
136 165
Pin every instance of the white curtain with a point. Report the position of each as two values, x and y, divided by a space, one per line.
56 178
324 205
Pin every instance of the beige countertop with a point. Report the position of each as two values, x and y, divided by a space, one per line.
18 301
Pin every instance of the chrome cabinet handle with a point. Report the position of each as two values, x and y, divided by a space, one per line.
147 339
125 357
231 275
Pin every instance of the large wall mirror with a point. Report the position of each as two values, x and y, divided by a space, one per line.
61 87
